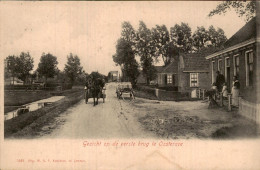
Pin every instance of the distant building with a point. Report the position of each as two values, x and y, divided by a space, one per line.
113 76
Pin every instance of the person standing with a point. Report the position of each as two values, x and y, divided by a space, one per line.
225 91
235 91
220 80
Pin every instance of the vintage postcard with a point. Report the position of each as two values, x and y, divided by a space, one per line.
129 85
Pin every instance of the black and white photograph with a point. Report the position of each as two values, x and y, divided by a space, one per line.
164 71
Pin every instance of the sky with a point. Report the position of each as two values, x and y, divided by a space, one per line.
91 29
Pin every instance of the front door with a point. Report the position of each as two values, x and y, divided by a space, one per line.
228 79
227 73
165 79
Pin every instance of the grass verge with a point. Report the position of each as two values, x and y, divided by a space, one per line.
29 124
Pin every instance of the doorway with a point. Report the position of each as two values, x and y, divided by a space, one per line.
227 73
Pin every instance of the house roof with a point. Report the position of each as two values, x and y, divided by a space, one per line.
159 68
244 36
248 31
172 67
195 62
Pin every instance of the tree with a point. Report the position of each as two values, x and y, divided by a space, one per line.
24 64
161 38
147 51
128 34
181 37
242 8
48 66
200 37
125 57
216 37
125 53
73 68
11 66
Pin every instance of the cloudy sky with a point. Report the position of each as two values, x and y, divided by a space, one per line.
91 29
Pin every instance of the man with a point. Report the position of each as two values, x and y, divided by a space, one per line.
220 80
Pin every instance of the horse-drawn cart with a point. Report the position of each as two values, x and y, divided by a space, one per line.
89 94
124 88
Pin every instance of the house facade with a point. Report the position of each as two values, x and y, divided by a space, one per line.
185 74
239 58
167 76
113 76
193 72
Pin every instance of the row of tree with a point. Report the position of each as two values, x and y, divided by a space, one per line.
150 44
21 67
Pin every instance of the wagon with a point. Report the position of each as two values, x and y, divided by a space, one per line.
88 94
124 88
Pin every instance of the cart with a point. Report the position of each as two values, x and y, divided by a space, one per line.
124 88
88 94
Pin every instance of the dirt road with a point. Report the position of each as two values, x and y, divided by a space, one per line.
143 118
111 119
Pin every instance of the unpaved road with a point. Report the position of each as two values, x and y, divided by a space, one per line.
111 119
143 118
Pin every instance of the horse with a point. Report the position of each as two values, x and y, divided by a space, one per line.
95 87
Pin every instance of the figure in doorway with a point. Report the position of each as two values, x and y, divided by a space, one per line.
220 79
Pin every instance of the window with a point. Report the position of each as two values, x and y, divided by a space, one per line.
236 65
169 79
194 82
220 66
249 68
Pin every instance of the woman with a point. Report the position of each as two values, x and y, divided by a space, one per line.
235 91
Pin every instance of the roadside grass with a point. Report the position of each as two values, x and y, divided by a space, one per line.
14 99
29 124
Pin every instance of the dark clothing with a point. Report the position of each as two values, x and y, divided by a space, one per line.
220 80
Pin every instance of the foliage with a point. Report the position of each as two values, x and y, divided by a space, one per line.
242 8
47 66
147 51
200 37
11 66
128 34
125 57
24 65
73 68
211 37
163 46
181 37
125 53
19 66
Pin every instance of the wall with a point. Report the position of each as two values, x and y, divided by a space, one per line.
248 93
249 110
184 83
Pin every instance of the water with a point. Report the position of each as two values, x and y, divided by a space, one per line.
34 106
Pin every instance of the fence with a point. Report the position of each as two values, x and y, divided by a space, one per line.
49 86
249 110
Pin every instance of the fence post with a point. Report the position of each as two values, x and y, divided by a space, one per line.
229 102
221 99
203 94
199 93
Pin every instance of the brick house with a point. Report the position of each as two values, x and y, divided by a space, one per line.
193 72
238 58
167 75
189 72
